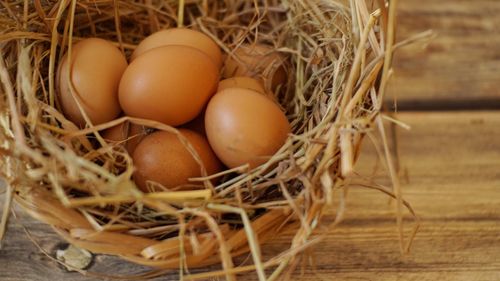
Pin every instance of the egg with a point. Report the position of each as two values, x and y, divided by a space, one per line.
245 83
127 134
180 36
162 157
96 69
198 124
170 84
245 127
241 82
257 61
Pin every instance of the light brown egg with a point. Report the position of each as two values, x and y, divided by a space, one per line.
241 82
257 61
161 157
245 127
96 69
180 36
127 134
169 84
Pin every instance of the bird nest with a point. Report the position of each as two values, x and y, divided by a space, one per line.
338 58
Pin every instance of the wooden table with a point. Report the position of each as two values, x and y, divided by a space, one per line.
449 165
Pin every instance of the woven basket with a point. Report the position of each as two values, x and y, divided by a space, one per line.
337 67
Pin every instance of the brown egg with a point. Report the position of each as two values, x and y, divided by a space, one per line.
96 69
169 84
180 36
244 126
244 82
161 157
241 82
126 134
258 61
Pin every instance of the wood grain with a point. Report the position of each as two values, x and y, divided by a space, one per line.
460 68
450 163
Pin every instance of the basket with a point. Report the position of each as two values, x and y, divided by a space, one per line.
338 57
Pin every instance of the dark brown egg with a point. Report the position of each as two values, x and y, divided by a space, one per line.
162 157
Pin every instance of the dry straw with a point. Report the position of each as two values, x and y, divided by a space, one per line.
338 63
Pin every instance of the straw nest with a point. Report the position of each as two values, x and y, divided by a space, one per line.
338 62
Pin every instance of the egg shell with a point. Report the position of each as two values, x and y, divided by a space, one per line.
162 157
245 127
96 70
198 124
126 134
245 83
180 36
241 82
170 84
258 61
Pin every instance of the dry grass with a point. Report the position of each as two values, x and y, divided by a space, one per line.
338 63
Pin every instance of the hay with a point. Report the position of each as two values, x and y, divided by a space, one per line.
338 63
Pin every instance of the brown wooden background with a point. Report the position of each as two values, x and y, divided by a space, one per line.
449 93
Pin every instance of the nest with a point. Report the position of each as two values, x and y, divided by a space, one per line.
338 62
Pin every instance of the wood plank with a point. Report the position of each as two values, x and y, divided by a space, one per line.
460 68
452 162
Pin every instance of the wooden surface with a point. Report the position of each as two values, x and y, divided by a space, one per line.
460 68
450 166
